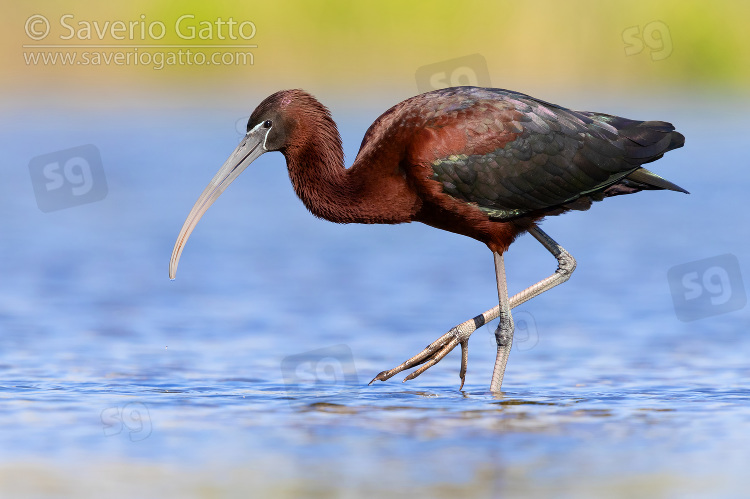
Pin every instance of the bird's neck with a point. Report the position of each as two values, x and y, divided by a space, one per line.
364 193
321 181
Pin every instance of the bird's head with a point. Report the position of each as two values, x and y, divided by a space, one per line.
280 121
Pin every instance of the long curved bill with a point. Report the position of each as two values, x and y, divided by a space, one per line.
251 147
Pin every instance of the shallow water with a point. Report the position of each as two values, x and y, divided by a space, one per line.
247 376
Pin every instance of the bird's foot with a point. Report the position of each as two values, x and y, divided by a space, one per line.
434 353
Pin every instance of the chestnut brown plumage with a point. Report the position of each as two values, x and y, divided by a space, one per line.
486 163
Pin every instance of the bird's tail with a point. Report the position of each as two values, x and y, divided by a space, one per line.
645 141
648 141
650 180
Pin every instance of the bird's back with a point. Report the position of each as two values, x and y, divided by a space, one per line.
512 155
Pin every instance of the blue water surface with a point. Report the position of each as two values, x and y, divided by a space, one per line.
247 375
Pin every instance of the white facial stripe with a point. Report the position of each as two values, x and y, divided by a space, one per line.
255 129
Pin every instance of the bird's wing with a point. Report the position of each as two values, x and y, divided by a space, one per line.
510 154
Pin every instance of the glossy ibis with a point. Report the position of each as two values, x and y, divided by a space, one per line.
486 163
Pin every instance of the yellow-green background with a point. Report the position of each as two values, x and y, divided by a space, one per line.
351 49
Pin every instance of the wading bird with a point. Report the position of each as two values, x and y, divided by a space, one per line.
486 163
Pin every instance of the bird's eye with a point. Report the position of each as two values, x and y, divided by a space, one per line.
267 124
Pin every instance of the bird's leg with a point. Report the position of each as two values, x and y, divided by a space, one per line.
460 334
566 264
504 331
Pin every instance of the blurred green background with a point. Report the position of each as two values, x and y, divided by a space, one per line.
354 50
